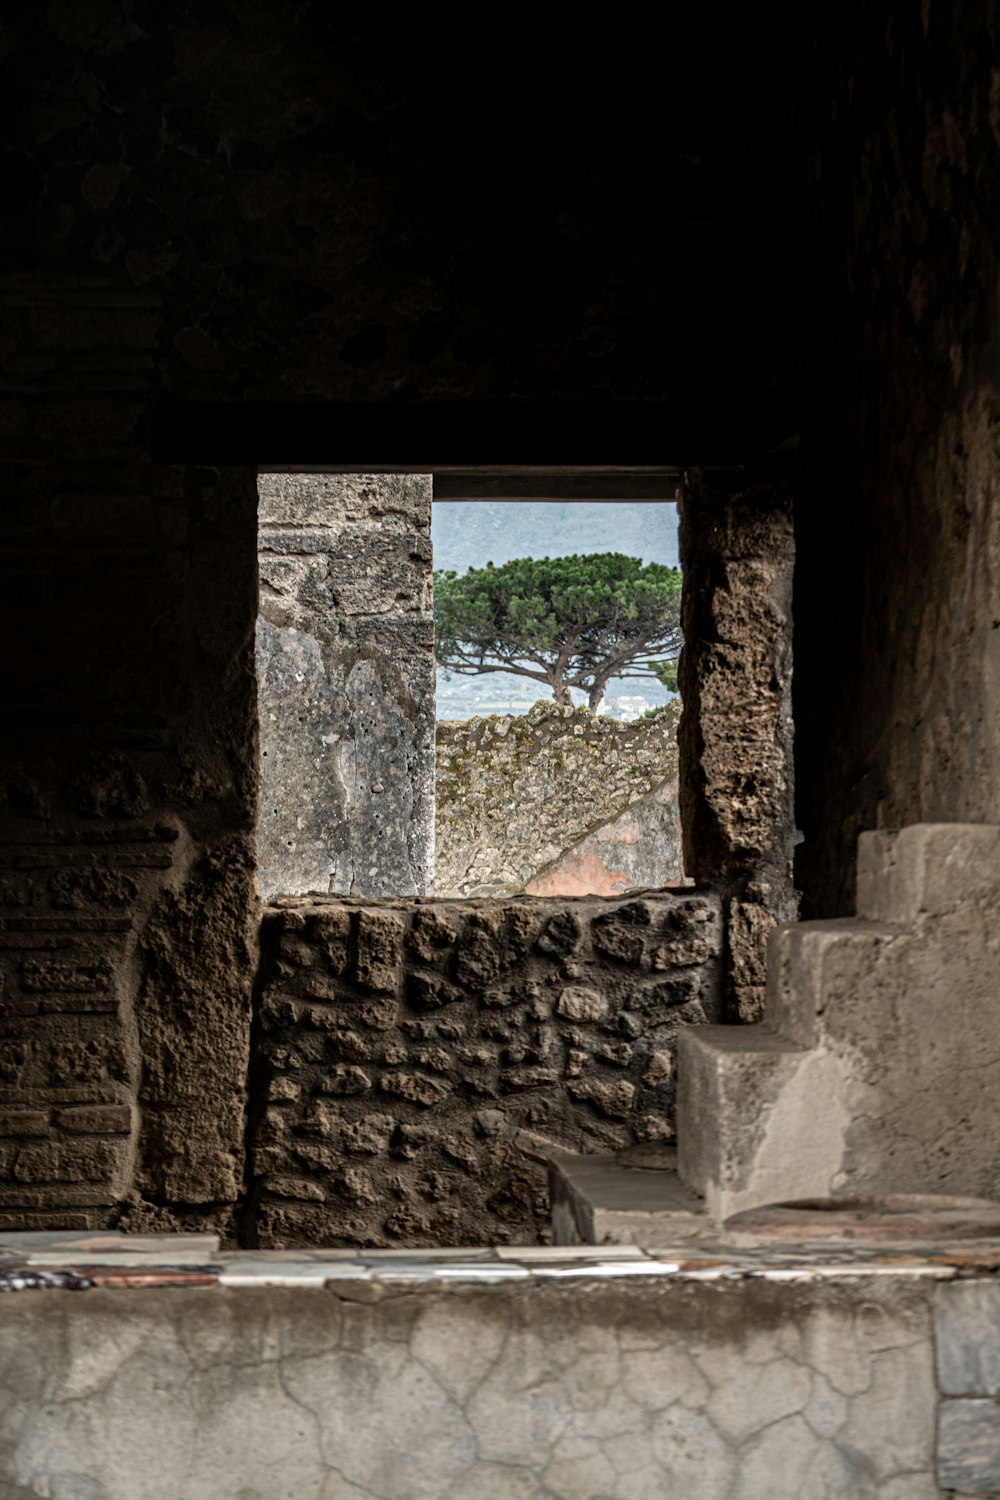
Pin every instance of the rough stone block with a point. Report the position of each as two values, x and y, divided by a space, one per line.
96 1119
330 501
967 1330
345 1081
621 934
739 1153
24 1122
379 949
40 974
430 991
430 935
479 956
968 1451
303 1188
560 935
614 1099
579 1003
927 869
66 1163
415 1087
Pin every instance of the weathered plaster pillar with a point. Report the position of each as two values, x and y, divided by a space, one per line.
735 735
345 670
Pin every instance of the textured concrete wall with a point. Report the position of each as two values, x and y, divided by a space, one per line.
620 1389
735 734
515 795
346 673
400 1047
875 1069
898 585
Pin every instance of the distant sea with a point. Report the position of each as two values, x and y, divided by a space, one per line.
471 533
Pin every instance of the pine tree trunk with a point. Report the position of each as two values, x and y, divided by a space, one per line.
596 694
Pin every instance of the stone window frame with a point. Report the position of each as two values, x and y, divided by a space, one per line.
735 676
510 485
736 734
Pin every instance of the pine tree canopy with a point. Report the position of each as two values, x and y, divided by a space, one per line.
566 622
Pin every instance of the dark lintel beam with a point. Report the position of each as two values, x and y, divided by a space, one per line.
442 437
556 484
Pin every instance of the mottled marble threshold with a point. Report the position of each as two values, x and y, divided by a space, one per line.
70 1261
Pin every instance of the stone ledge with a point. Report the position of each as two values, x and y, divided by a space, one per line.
68 1260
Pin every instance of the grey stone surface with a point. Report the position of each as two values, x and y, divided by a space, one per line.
345 666
967 1338
854 1085
969 1445
598 1201
633 1388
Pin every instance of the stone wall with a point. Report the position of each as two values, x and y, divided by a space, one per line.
232 206
127 781
507 1382
400 1046
735 734
517 795
345 671
898 585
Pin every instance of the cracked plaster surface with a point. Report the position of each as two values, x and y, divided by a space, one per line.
735 1391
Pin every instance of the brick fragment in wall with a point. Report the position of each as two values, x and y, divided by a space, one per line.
46 974
64 1162
24 1122
95 1119
497 1018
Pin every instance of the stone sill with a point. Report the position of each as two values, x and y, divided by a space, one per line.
67 1260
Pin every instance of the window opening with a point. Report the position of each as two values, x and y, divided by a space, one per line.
557 776
415 1059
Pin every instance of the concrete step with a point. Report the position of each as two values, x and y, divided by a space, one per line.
822 977
875 1069
927 869
759 1119
598 1200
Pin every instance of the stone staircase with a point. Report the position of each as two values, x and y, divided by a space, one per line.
877 1067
